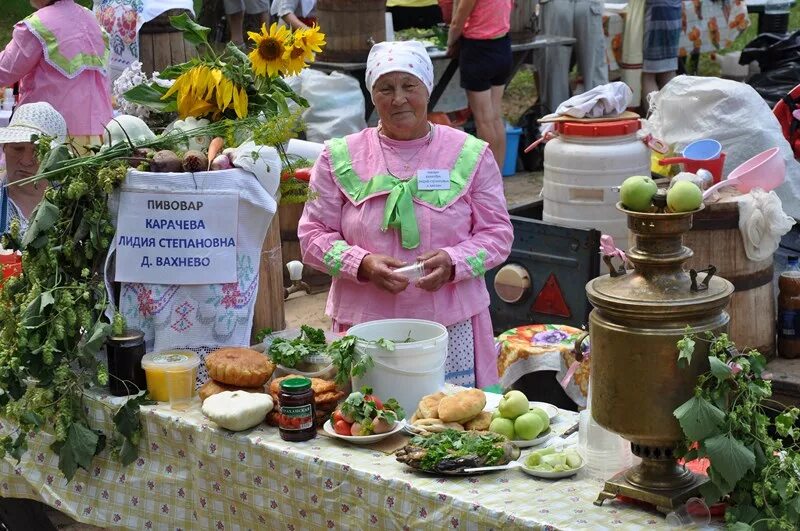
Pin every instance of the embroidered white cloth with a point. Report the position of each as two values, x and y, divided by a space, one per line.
201 317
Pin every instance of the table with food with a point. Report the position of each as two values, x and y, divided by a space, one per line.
147 379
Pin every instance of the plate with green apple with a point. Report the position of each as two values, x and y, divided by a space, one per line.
525 423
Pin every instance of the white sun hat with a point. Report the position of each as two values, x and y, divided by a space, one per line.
34 119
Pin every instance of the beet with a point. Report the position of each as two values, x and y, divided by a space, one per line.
194 161
165 161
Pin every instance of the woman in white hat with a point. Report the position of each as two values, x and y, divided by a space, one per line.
31 119
410 192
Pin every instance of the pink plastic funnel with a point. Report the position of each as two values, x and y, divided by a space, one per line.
766 170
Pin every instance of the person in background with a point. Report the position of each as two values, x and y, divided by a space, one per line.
662 32
414 13
297 14
59 55
18 201
372 213
480 29
582 19
235 10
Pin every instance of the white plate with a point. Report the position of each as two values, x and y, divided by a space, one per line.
363 439
551 475
535 442
493 400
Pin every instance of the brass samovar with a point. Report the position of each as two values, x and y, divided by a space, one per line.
638 318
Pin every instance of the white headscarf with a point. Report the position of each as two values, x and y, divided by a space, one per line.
399 56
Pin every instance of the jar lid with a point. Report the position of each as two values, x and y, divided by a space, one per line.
129 334
296 384
171 360
598 129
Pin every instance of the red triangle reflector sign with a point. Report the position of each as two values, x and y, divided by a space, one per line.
550 300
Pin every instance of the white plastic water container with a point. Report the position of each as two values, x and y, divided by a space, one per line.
414 368
583 165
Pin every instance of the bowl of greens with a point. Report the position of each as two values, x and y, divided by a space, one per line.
301 351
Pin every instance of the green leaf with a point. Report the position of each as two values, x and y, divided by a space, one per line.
730 457
192 31
739 526
55 159
66 462
128 453
385 343
784 423
711 492
33 418
127 418
82 443
19 447
794 507
99 334
150 96
685 352
699 418
44 217
46 300
719 369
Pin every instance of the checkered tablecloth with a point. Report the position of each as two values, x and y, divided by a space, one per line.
192 475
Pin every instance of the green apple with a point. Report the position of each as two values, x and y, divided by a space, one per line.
636 193
542 415
503 426
496 414
528 426
513 404
684 196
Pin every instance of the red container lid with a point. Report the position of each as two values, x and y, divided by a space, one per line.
618 128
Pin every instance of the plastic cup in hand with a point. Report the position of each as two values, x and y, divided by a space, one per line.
694 514
412 272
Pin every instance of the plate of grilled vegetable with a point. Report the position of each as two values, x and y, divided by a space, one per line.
451 452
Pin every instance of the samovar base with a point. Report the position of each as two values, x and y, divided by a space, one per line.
665 501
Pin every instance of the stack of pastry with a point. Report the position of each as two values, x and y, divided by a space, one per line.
234 369
460 411
326 398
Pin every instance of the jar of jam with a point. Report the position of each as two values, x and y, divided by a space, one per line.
125 352
296 400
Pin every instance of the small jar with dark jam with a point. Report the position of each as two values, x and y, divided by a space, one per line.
296 400
125 373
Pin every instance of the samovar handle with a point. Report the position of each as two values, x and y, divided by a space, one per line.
709 271
577 350
613 270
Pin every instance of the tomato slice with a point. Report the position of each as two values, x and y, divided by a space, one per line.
337 416
375 400
302 174
341 427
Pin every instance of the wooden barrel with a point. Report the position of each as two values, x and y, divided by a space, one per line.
290 249
268 311
161 45
351 27
716 240
523 21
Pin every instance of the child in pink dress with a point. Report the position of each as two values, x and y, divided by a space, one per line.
371 206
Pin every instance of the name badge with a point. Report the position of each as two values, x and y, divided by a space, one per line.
433 179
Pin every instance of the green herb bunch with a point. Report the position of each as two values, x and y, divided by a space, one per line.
451 444
350 363
290 352
726 421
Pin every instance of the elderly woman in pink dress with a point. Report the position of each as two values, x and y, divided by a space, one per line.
409 191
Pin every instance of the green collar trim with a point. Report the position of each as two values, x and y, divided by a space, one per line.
399 210
69 67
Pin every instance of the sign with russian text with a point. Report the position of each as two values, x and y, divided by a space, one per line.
169 238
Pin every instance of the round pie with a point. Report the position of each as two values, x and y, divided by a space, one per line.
239 366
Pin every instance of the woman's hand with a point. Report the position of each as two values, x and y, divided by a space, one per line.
378 269
441 270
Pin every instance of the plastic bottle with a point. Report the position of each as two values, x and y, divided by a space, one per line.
789 310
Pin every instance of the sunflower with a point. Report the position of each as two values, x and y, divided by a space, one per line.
202 90
270 47
295 58
312 40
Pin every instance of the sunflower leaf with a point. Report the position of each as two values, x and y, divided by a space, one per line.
192 31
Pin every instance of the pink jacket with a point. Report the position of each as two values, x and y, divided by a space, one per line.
336 231
59 55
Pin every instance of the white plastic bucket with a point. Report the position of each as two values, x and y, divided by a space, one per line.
413 370
582 168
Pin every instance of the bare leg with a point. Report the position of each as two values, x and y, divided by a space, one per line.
664 78
264 16
235 25
649 85
489 120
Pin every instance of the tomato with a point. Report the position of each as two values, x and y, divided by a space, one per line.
341 427
375 400
347 418
302 174
337 416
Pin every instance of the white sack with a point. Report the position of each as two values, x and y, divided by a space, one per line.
692 108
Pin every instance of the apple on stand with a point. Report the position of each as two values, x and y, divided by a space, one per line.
636 193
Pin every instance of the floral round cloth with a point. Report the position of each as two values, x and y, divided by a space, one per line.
539 347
